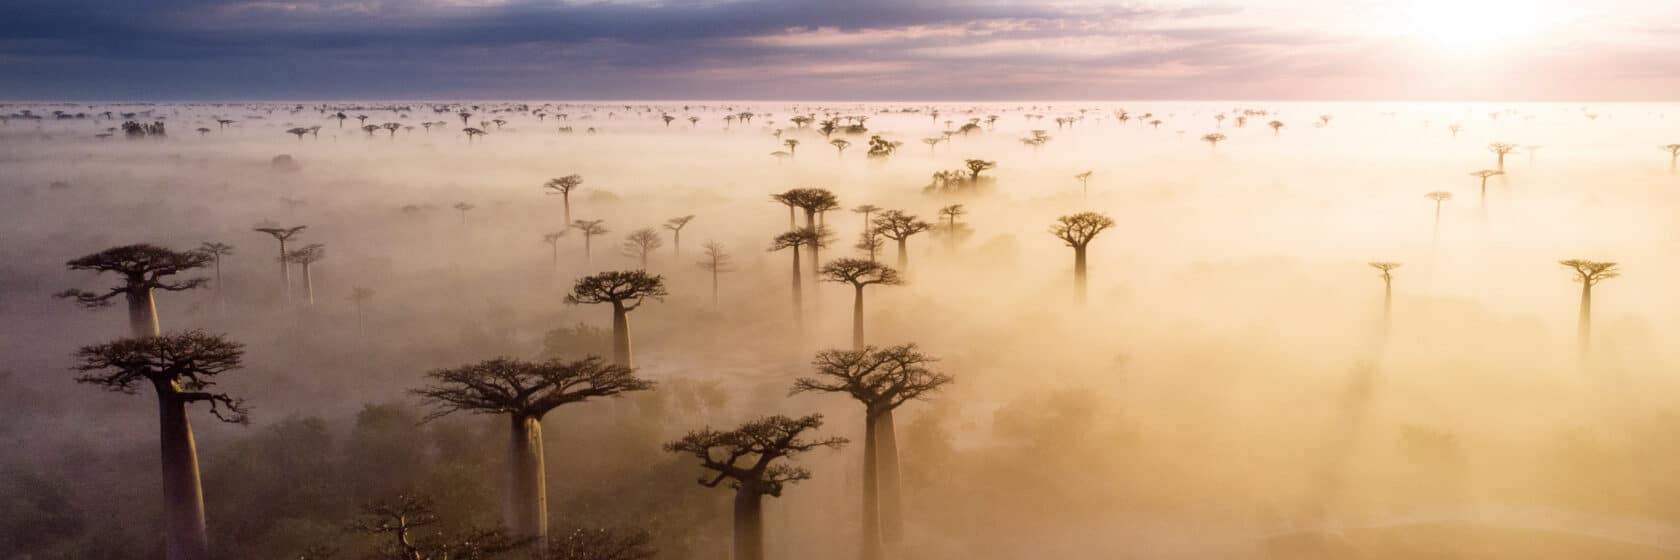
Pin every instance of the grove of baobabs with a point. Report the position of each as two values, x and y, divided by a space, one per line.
823 280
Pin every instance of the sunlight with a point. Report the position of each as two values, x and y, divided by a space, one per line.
1468 25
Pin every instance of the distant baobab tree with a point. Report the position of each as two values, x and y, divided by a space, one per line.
795 239
564 186
472 133
1077 230
1324 120
626 291
931 142
216 251
784 199
589 229
340 116
882 379
1673 156
1484 175
303 257
203 131
899 227
142 269
1276 126
553 240
1588 274
1213 139
1439 197
359 298
641 243
975 166
1387 276
1084 183
463 208
525 392
753 459
716 260
676 226
1500 149
1455 128
840 145
951 229
1155 124
667 119
464 116
391 128
370 129
299 132
362 119
282 234
181 368
222 123
868 211
792 146
815 203
859 273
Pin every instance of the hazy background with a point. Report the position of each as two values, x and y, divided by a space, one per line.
1222 394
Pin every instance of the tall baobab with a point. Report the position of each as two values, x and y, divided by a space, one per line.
626 290
303 257
1084 183
815 203
282 234
1439 197
792 146
1500 149
1387 276
840 145
590 229
860 273
216 251
298 132
564 186
1673 156
1213 139
553 240
753 459
783 199
473 133
975 166
882 380
717 261
143 269
1588 274
794 240
868 211
899 226
1077 231
180 368
950 230
463 207
676 226
525 391
1276 126
641 243
1484 175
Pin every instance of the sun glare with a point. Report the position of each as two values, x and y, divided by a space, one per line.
1468 24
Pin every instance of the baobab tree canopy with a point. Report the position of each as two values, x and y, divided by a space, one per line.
617 287
510 386
754 453
189 361
142 267
1078 230
859 272
881 378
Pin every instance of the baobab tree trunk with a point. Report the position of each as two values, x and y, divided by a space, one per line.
870 547
1501 161
676 242
285 275
221 297
526 509
1388 306
1079 274
185 537
142 313
903 256
857 320
308 286
586 251
791 226
566 202
621 335
749 524
886 449
798 296
714 288
1583 327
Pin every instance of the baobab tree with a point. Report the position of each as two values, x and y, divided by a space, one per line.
1673 157
815 203
1500 149
868 211
792 146
143 269
216 251
472 133
975 166
359 298
553 240
626 291
753 458
463 208
303 257
564 186
899 226
716 260
795 239
180 368
590 229
1439 197
525 392
882 379
1084 183
1213 139
840 145
1276 126
1484 175
950 230
1588 274
641 243
859 273
1077 231
282 234
676 226
783 199
298 132
1387 276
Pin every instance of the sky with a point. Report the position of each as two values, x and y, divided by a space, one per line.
860 50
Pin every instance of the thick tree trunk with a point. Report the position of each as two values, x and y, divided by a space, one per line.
676 243
621 335
142 313
1079 273
221 297
586 251
857 320
308 286
903 256
285 275
1388 306
892 517
749 524
870 546
566 201
1583 332
185 537
526 509
714 288
798 296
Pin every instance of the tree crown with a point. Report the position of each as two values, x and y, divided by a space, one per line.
530 389
881 378
750 455
184 362
1078 229
616 287
860 272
